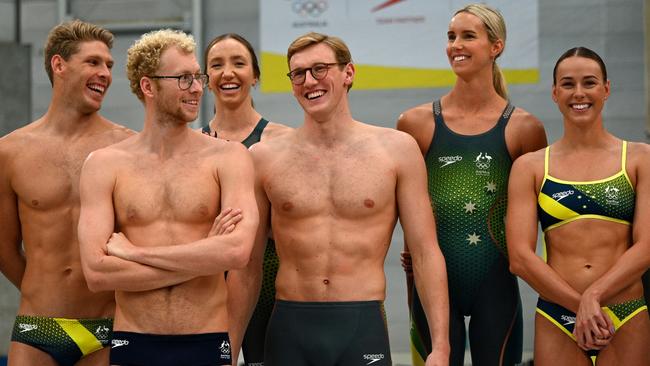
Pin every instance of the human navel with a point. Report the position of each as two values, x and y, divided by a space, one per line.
369 203
287 206
326 281
35 203
588 266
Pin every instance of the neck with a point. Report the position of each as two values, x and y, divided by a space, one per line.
474 93
585 135
64 119
330 130
164 137
234 119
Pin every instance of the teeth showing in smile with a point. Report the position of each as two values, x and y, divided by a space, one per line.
192 102
315 94
460 58
580 107
97 88
229 86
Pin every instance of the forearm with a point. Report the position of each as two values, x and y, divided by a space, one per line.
243 292
115 274
204 257
627 270
545 281
431 282
13 269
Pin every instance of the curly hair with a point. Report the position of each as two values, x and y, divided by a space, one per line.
143 57
64 40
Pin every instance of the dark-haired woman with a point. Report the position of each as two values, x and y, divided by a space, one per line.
591 193
232 65
469 139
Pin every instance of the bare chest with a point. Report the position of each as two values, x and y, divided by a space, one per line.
46 176
182 191
339 184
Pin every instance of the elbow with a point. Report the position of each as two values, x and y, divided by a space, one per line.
96 282
517 265
240 257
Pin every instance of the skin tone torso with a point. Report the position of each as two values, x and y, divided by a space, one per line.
161 190
335 187
591 262
40 205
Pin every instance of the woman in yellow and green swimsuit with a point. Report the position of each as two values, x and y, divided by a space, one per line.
591 194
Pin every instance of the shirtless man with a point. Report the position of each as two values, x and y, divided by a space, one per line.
161 191
60 321
335 187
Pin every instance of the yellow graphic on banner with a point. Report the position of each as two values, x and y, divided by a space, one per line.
369 77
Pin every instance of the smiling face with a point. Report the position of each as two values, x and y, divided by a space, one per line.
320 98
172 103
230 67
469 49
84 78
580 90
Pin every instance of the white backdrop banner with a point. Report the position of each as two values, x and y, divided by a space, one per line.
394 43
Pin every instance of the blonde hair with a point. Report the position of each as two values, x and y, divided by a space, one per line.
495 26
143 57
64 40
341 50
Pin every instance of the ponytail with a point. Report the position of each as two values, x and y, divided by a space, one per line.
499 81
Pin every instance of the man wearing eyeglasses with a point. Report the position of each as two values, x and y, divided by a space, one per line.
60 321
334 188
161 190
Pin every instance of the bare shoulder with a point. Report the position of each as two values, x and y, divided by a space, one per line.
118 132
414 118
525 121
396 145
274 130
638 154
16 140
531 163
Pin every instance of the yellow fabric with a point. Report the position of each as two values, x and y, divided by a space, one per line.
85 340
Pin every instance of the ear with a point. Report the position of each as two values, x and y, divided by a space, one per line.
349 74
147 86
607 89
497 48
554 93
57 63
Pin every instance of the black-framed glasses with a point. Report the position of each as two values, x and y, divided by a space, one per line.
185 81
318 72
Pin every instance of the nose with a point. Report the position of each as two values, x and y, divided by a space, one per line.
104 70
309 78
196 86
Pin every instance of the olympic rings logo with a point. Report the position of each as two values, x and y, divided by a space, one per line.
313 8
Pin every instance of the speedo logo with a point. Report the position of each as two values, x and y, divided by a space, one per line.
448 160
373 357
564 194
568 319
119 343
24 327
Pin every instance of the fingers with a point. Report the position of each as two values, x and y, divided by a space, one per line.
226 221
407 263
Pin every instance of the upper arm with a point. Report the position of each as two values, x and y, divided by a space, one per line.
524 134
418 122
521 217
414 205
640 229
96 218
10 234
237 182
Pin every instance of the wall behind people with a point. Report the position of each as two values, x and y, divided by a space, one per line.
613 28
15 86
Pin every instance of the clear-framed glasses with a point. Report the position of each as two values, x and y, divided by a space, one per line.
185 81
318 72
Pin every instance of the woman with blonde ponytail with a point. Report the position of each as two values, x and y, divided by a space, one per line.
469 139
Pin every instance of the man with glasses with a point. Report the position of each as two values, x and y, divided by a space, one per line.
334 188
60 321
161 190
